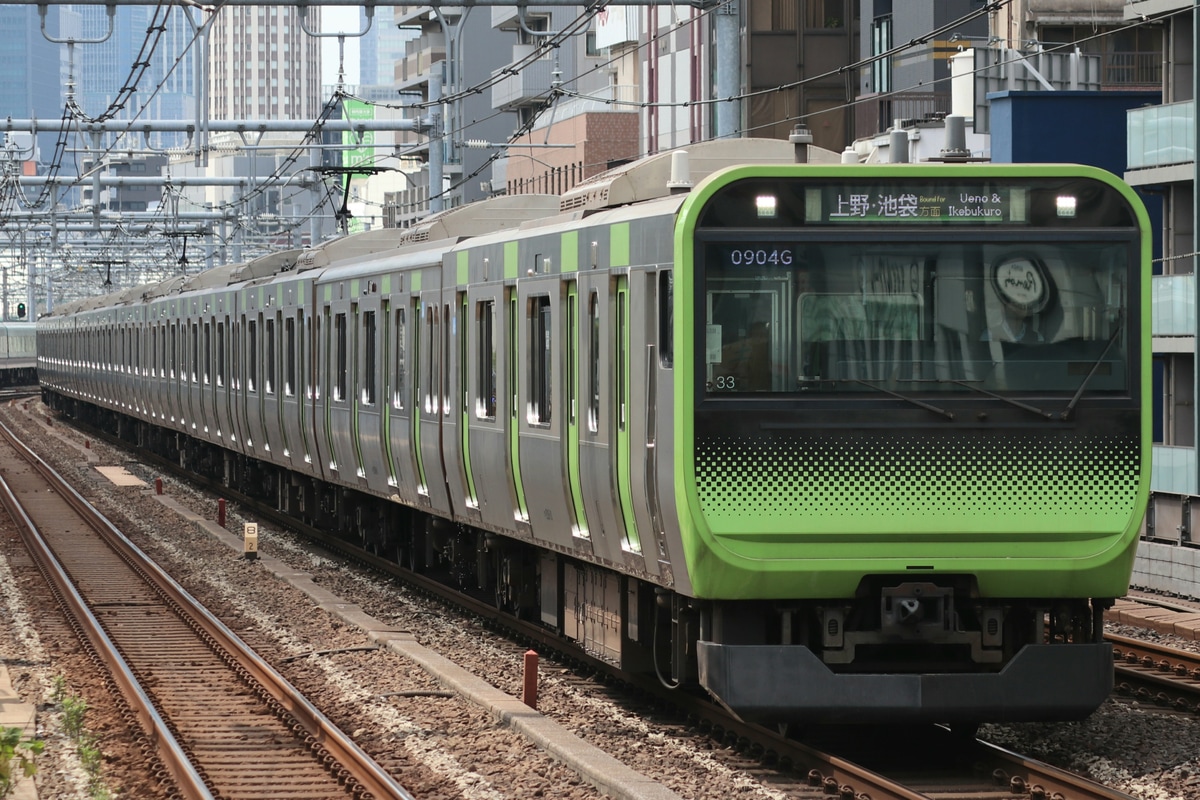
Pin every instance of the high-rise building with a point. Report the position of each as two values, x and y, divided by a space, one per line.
114 59
32 70
264 65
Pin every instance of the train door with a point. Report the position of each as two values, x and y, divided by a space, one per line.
273 419
190 340
369 400
486 406
642 419
224 379
397 313
597 459
250 410
208 386
574 411
432 385
294 389
540 428
625 452
456 430
335 406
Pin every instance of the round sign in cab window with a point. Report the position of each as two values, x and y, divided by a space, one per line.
1022 283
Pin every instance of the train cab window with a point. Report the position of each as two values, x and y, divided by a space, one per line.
251 355
289 363
540 364
955 317
341 365
485 406
370 366
269 357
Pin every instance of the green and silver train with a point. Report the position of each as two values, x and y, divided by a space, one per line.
839 443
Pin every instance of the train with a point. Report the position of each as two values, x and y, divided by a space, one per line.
832 443
18 354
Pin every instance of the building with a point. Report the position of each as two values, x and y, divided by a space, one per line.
264 64
436 64
1162 159
113 59
33 70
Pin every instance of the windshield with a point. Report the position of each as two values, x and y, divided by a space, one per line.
915 317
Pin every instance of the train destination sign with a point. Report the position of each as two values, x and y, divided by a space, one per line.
859 205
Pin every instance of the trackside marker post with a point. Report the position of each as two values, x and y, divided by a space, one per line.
158 485
221 512
529 692
250 541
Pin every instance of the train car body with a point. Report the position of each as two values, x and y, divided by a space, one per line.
18 354
839 443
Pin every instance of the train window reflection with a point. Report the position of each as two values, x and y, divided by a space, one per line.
939 317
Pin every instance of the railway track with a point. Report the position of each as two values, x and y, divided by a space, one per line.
1152 673
217 720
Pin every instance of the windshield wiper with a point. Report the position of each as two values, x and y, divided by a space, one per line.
1066 412
1009 400
906 398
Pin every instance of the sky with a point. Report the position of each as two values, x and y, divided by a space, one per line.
339 19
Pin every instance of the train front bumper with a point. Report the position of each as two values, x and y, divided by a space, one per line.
771 684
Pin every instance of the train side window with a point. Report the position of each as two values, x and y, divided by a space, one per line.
666 318
369 365
540 372
252 355
269 357
341 369
485 406
289 334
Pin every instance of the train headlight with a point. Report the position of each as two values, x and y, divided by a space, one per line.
766 203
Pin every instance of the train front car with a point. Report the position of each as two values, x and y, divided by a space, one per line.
912 439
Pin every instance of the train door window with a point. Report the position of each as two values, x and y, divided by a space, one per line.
593 416
540 372
221 371
174 350
485 406
207 353
445 368
341 368
251 355
622 356
289 357
369 358
269 356
153 367
572 357
399 382
430 388
195 352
